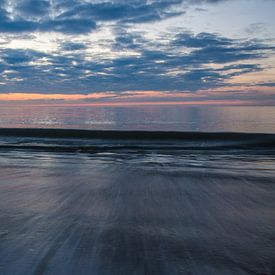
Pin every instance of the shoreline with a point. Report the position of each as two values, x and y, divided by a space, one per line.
132 134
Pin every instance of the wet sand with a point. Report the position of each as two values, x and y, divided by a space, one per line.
136 213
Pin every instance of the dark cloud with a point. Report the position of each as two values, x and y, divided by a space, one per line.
33 7
11 56
77 17
9 26
213 48
239 69
17 26
68 26
201 40
71 46
268 84
128 40
125 11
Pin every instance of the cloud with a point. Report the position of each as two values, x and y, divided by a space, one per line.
68 26
77 17
124 11
98 46
71 46
201 40
33 8
210 47
144 65
267 84
12 57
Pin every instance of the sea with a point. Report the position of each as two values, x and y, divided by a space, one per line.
260 119
153 189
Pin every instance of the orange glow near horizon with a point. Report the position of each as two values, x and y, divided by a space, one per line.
131 98
27 96
141 103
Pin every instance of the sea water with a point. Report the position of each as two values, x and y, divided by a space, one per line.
155 117
80 202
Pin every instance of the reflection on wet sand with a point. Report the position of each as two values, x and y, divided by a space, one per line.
136 213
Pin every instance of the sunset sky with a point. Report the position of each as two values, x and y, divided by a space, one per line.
137 51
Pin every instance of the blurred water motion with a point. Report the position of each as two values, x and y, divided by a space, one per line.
142 212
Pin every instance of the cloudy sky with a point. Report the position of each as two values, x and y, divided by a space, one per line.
90 51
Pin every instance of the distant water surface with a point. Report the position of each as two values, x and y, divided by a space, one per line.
155 118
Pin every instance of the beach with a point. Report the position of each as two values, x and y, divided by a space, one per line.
162 207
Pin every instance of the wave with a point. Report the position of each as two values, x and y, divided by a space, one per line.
149 135
71 140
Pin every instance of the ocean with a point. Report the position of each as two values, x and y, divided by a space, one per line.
137 190
259 119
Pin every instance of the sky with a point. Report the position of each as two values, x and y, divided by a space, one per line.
137 51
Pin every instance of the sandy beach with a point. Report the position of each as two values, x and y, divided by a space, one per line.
137 212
